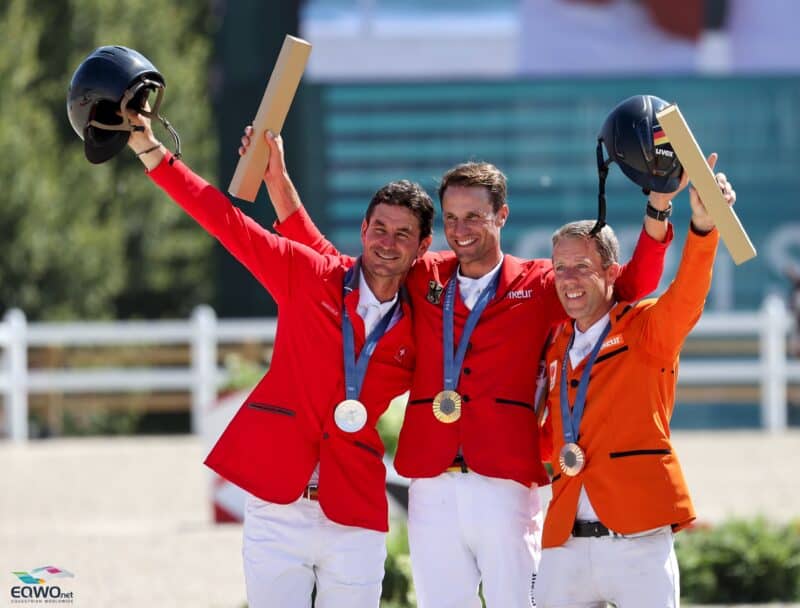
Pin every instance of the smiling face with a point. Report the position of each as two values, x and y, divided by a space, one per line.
472 228
391 241
585 288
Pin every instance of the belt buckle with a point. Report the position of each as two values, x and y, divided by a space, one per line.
311 492
459 465
590 529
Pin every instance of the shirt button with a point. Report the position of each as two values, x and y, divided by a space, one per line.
467 371
574 383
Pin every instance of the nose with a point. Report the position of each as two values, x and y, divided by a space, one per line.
387 241
457 226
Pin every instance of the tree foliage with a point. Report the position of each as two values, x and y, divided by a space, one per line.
88 241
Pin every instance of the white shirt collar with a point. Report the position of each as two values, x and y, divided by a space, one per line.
471 288
584 341
367 300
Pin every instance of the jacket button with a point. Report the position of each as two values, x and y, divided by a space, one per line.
467 371
574 383
465 398
325 436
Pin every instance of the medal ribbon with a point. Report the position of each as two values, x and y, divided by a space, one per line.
356 368
571 420
452 364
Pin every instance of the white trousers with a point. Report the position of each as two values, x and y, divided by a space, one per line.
287 549
628 572
464 529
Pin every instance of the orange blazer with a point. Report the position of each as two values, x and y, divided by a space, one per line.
632 475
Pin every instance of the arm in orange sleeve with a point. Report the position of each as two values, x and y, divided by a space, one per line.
670 319
641 274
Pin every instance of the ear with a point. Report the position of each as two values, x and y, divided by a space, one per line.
613 272
502 215
424 244
363 229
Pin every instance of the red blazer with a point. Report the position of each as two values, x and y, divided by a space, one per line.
286 425
497 431
632 474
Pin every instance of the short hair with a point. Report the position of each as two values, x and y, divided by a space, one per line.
605 240
480 174
412 196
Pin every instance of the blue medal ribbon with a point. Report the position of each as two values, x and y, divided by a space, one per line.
453 363
356 368
571 420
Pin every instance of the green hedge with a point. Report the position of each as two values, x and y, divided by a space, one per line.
740 561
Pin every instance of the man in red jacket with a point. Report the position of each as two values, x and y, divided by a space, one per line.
304 444
470 438
618 492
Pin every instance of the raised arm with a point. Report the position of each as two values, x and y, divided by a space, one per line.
641 275
293 220
272 260
674 314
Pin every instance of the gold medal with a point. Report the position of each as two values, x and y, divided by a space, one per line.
571 459
447 406
350 415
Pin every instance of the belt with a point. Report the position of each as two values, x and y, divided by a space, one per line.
311 492
590 529
595 529
459 466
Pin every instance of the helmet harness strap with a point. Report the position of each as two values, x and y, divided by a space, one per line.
602 171
126 123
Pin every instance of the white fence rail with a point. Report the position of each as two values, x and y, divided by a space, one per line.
772 371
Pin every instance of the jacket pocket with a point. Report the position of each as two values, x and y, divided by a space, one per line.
272 409
656 452
368 448
502 401
613 353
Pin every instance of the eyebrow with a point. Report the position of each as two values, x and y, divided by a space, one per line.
401 229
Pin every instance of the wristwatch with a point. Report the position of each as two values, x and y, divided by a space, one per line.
657 214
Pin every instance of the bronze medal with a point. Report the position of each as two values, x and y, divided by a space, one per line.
571 459
447 406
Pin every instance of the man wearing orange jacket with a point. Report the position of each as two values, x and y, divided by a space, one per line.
470 437
618 490
304 444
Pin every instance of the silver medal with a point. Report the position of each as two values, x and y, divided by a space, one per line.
350 415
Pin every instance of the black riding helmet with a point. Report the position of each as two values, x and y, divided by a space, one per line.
635 141
109 81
